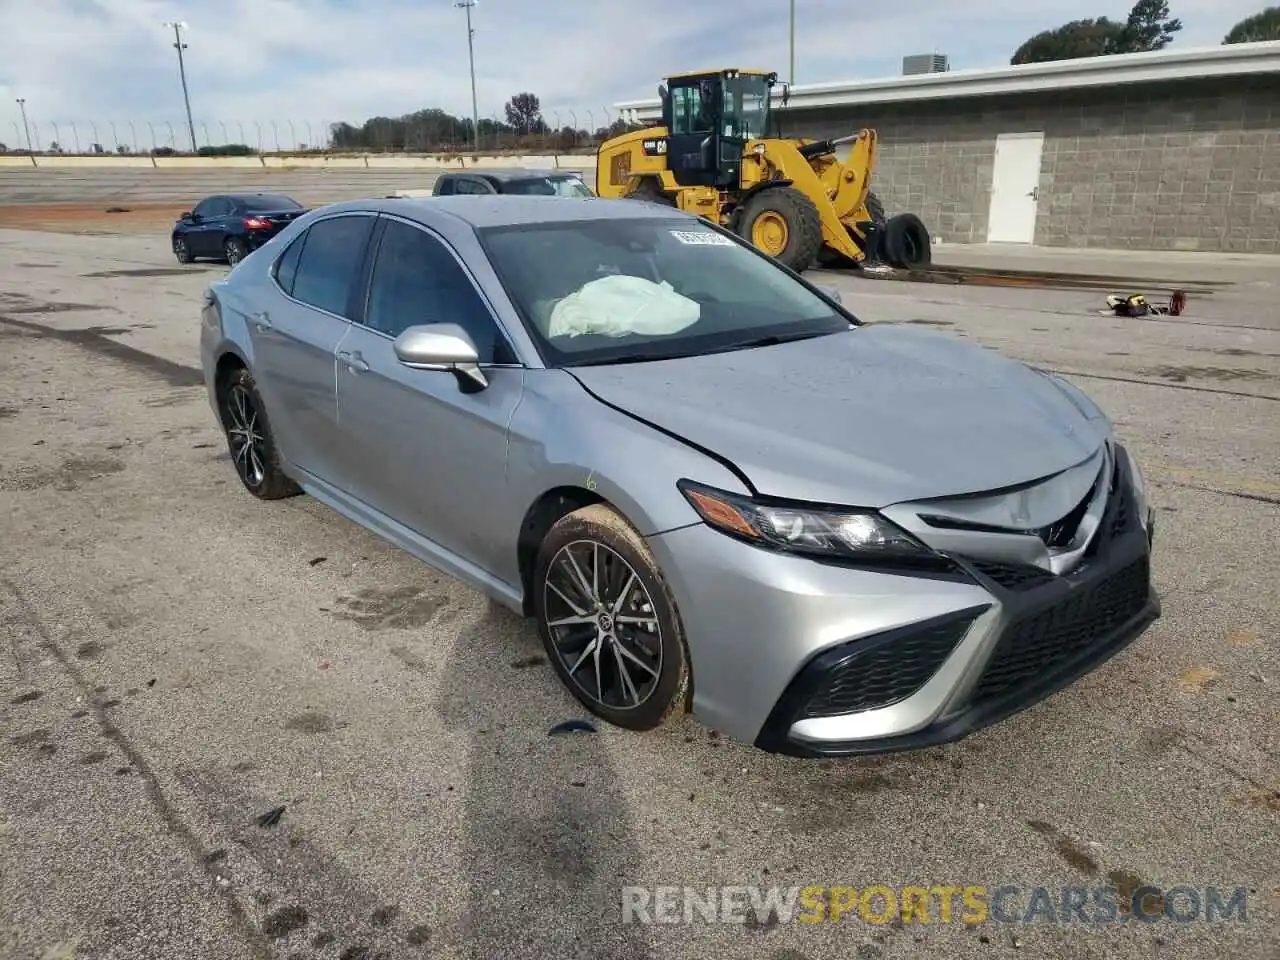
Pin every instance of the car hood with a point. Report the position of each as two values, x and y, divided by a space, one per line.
881 414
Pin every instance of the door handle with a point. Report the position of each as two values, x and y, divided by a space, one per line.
261 320
354 361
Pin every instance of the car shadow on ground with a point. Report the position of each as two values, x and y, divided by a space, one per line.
548 837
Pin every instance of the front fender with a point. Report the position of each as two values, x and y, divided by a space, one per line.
561 436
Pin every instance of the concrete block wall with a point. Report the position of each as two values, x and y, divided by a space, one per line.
1190 165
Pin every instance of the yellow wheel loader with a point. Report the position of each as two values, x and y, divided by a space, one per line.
713 156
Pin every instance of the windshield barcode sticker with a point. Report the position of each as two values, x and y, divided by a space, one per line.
701 239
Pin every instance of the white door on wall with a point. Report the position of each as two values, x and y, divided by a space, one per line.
1015 188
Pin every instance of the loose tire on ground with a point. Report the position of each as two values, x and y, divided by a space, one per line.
906 242
875 208
598 534
785 224
241 409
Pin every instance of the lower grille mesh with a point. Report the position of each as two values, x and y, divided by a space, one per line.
1039 644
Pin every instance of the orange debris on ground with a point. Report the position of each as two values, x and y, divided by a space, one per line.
89 217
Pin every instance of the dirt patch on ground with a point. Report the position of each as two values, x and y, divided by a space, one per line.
89 218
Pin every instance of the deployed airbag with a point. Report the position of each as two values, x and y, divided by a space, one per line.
618 305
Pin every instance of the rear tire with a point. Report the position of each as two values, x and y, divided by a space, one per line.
906 243
785 224
596 586
249 438
234 249
650 191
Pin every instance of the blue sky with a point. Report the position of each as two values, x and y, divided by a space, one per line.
316 61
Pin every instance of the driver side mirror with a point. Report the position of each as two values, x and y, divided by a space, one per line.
185 215
441 346
662 92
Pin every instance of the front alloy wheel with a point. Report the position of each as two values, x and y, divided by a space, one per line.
181 251
607 621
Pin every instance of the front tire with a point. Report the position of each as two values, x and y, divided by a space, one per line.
608 623
785 224
182 250
249 439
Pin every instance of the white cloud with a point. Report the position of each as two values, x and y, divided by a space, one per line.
311 61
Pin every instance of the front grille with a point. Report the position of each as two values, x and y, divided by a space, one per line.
1013 576
1061 532
1037 645
885 673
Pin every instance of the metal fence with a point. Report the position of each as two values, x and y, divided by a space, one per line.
566 130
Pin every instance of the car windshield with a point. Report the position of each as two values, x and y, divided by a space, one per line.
268 203
611 291
549 187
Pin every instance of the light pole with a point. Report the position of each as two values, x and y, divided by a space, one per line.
471 55
792 74
178 27
22 105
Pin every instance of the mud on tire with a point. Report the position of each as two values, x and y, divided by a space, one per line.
594 549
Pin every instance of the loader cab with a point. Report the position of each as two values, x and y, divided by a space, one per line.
709 118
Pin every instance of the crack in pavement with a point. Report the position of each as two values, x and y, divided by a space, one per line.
1154 383
155 793
95 340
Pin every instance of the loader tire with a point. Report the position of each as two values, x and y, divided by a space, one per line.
906 243
875 208
785 224
650 191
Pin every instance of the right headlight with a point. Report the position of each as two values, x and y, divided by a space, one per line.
819 531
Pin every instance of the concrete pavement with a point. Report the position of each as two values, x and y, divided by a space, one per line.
179 659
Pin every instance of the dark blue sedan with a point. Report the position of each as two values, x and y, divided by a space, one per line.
229 226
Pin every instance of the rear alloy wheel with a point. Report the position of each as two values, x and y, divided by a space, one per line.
234 250
607 621
253 449
783 223
181 250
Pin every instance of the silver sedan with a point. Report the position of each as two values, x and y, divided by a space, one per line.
712 486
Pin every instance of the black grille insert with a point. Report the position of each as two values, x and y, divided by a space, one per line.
885 672
1040 643
1013 576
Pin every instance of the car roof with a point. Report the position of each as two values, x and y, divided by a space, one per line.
513 173
510 209
253 196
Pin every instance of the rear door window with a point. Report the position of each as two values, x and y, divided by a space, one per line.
329 267
287 266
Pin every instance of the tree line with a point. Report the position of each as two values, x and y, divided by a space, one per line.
524 126
1149 26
